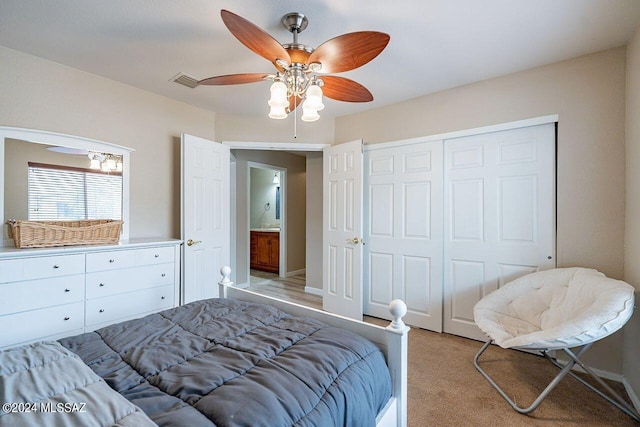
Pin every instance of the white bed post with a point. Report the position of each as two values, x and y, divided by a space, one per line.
225 282
398 359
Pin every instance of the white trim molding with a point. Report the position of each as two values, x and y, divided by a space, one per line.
313 291
466 132
277 146
295 272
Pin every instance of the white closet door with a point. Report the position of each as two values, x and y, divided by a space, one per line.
499 216
403 232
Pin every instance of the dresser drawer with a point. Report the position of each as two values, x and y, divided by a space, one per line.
157 255
37 324
104 283
128 305
111 260
32 294
13 270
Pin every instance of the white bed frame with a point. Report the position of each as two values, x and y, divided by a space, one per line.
392 340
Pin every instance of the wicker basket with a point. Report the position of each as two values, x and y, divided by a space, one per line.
42 234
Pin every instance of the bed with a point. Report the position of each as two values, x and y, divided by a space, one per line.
230 361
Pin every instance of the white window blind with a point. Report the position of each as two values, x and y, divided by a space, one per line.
61 193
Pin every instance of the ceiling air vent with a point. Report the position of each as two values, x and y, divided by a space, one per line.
185 80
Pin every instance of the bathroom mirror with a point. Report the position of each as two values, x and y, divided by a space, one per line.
96 172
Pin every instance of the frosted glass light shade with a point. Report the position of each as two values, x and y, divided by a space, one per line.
111 164
278 96
309 114
314 97
277 113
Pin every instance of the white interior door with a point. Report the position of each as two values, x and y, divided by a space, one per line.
342 229
205 226
499 216
403 232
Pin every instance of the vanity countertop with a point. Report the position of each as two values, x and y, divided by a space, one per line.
267 230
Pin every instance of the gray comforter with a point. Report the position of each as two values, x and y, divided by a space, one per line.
230 363
44 384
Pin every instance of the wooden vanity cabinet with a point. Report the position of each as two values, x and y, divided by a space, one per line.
265 251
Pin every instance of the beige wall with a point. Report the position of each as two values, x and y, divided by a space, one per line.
588 95
314 220
631 360
294 201
44 95
264 129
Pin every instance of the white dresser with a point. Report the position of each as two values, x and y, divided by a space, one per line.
55 292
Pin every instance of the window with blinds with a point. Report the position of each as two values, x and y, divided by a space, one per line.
65 193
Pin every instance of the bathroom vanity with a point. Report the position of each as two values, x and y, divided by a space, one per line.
265 250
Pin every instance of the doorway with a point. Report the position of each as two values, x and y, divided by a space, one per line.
267 247
300 220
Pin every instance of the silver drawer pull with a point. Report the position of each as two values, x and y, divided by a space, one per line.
163 274
156 255
67 318
112 260
101 285
56 266
67 290
102 310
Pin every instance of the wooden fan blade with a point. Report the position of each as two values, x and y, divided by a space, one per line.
342 89
234 79
294 102
254 37
349 51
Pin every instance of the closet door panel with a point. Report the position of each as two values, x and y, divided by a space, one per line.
403 232
499 216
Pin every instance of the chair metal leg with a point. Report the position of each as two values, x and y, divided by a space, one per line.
613 397
538 400
564 370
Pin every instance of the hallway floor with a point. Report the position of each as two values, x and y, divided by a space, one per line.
286 288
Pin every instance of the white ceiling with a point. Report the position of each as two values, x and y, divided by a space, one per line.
435 44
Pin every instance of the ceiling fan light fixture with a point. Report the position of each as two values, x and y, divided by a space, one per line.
298 65
314 97
278 101
278 95
111 163
277 113
309 113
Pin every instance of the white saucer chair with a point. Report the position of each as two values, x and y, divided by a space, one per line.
556 309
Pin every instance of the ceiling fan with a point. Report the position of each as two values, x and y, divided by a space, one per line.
300 75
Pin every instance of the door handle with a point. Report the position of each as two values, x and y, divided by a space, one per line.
355 241
191 242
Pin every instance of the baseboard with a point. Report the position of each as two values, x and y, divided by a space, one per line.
242 285
635 401
313 291
295 273
599 372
